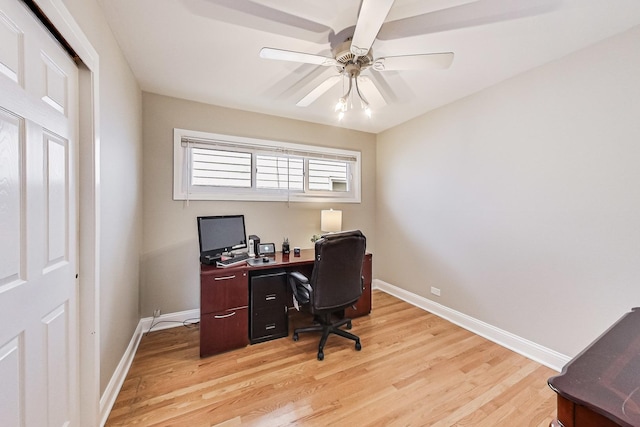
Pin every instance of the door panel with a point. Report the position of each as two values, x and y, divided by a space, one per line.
12 268
12 53
38 224
57 199
56 326
11 392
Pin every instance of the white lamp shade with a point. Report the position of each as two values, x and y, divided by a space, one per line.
330 220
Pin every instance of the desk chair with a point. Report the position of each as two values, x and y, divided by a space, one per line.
336 283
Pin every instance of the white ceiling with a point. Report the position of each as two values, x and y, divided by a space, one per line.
208 50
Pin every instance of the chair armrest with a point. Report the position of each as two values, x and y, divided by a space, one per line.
299 277
300 286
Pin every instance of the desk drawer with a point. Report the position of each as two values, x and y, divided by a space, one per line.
223 331
219 292
269 290
268 324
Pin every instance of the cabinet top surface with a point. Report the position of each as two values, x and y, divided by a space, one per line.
605 377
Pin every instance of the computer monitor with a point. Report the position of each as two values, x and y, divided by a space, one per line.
219 234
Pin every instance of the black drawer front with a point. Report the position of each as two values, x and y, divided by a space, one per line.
268 324
269 290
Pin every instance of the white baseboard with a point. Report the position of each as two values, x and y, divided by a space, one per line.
170 320
529 349
165 321
108 398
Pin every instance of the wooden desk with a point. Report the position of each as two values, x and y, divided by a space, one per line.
224 299
601 386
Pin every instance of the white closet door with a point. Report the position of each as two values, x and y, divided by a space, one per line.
38 224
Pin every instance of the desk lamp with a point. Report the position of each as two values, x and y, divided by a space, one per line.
330 220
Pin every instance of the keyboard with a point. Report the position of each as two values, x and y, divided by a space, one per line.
237 259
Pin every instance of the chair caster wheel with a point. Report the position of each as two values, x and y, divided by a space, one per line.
295 337
358 346
320 355
349 326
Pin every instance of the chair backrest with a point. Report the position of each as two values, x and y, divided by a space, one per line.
337 272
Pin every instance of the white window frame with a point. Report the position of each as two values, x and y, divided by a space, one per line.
184 139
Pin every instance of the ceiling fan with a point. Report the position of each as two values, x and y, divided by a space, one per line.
355 55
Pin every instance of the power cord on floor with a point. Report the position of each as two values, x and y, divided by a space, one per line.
187 323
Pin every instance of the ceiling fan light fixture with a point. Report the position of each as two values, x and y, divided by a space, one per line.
345 103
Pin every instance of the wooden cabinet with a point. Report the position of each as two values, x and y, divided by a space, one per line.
363 305
224 317
571 414
599 387
231 316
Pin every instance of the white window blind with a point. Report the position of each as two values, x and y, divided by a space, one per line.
223 167
220 168
328 175
281 173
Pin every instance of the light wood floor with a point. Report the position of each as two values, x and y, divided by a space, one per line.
414 369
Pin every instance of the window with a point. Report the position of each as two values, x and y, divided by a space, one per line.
218 168
279 172
327 175
222 167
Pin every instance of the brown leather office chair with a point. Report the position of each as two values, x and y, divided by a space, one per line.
335 284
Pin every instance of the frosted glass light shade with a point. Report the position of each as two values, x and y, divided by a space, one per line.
330 220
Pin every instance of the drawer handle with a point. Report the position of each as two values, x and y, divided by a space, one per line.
271 326
225 277
224 316
270 297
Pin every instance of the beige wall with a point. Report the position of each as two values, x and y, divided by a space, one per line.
169 262
521 202
120 103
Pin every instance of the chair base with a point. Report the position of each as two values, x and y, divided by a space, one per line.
327 327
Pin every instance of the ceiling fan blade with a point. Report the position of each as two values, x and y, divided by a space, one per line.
370 19
288 55
371 92
427 61
262 17
465 16
319 91
408 9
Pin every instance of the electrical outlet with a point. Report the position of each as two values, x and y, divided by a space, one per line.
435 291
156 312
